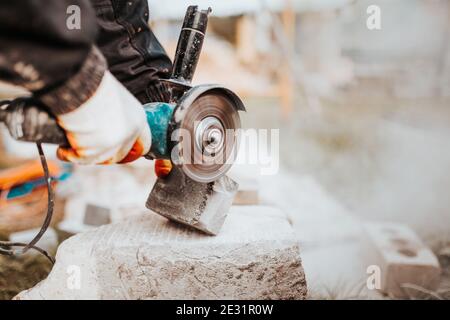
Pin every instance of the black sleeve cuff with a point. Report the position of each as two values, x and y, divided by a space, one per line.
78 88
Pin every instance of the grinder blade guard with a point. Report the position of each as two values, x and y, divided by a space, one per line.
201 140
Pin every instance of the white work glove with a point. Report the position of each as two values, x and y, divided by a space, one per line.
110 127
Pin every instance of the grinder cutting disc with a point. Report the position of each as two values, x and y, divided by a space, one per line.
209 137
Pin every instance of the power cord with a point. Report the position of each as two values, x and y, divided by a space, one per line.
6 247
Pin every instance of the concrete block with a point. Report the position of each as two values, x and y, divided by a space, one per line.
247 176
149 257
203 206
246 197
96 215
408 268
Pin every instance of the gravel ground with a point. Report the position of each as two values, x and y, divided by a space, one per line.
20 273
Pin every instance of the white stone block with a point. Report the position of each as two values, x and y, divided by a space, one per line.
147 257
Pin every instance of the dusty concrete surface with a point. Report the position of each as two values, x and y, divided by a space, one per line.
254 257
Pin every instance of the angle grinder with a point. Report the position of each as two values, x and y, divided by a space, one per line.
197 129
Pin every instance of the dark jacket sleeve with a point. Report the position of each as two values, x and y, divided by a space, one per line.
38 51
135 56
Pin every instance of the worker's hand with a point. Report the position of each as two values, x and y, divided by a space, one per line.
110 127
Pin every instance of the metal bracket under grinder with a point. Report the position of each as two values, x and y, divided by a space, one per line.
202 206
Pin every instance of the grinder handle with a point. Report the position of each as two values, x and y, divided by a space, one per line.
29 121
190 44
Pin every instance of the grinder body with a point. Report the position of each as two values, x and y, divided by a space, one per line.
196 192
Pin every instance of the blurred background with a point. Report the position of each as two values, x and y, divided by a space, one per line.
363 118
